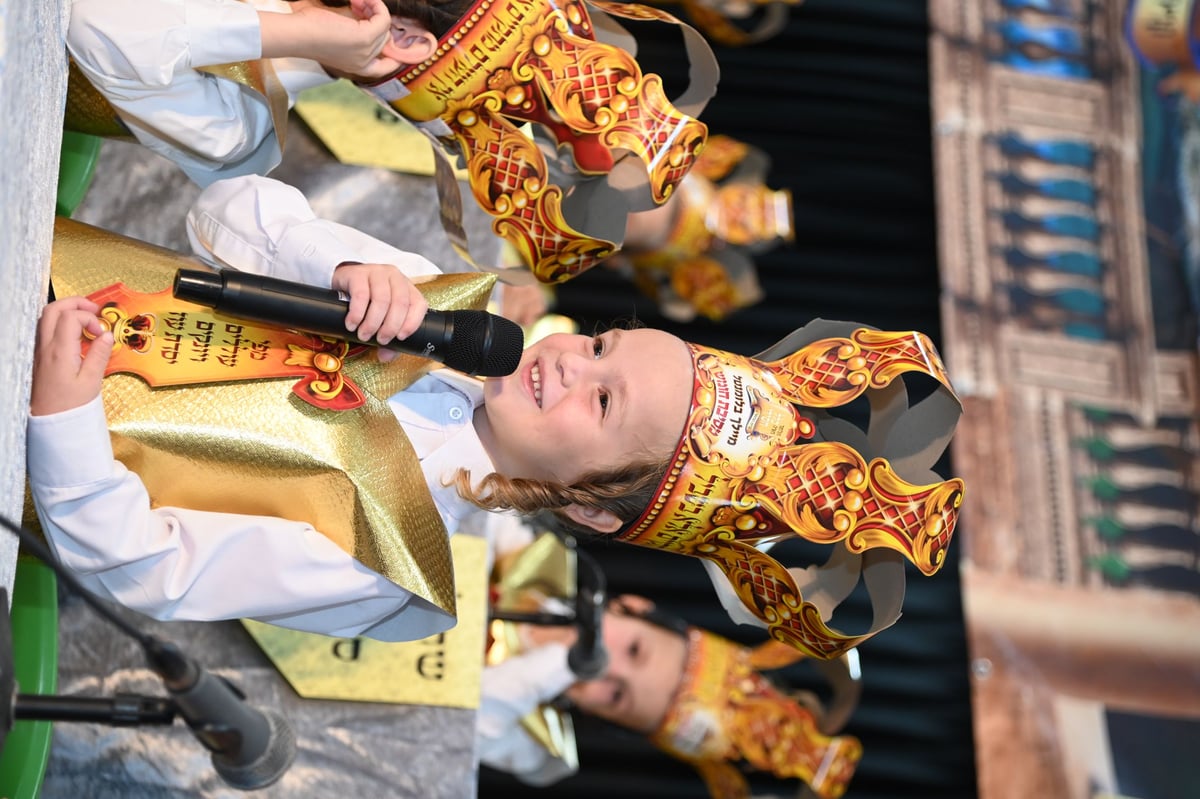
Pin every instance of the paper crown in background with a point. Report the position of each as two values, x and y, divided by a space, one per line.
695 255
760 460
726 713
606 141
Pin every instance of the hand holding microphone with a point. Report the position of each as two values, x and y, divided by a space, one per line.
474 342
384 303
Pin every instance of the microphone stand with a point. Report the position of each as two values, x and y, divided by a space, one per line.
587 657
120 710
250 750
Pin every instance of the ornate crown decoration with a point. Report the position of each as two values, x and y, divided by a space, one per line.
750 469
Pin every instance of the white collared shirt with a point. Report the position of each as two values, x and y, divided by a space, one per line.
174 563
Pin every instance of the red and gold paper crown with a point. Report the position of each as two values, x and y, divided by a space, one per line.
594 115
759 461
726 713
724 213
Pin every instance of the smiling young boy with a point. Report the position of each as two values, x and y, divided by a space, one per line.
570 395
634 433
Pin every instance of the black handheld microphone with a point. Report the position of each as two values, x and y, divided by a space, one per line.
251 748
587 657
473 342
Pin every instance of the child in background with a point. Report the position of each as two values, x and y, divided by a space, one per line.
208 84
161 64
694 694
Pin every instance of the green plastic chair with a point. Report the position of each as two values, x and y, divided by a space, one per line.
77 164
35 663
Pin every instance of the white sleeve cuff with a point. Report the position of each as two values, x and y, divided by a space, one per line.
70 448
309 253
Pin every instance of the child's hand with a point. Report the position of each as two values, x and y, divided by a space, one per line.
384 303
360 47
63 378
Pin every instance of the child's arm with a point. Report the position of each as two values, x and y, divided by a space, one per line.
260 225
510 690
172 563
142 56
362 47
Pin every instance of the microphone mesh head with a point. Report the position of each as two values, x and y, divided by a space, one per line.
484 344
269 766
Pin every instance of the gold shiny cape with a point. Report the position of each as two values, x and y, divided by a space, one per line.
255 448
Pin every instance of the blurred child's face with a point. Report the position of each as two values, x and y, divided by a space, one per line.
580 404
645 665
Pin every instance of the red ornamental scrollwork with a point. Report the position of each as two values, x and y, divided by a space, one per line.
767 589
324 384
595 100
832 372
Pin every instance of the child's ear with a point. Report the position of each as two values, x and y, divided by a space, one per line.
602 521
414 44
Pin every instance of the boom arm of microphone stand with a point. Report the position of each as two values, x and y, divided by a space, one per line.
122 710
587 657
538 618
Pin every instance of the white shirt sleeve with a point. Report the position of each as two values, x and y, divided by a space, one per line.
177 564
260 225
143 55
510 690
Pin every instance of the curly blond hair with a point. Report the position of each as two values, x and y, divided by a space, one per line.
625 492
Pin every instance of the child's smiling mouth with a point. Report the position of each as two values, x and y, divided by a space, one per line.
535 380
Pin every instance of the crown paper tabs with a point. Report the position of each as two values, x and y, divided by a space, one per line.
726 713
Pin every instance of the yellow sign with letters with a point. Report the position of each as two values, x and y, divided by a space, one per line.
443 670
360 131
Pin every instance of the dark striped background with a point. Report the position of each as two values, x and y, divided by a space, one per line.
840 100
